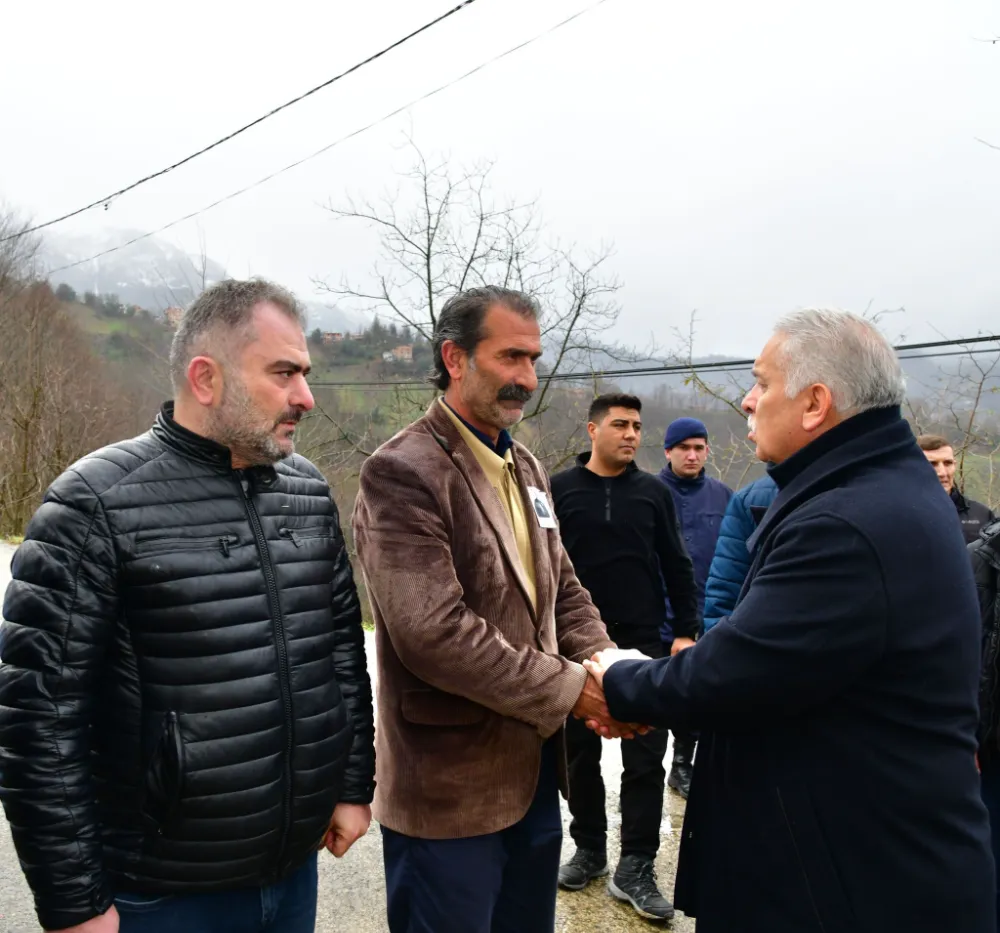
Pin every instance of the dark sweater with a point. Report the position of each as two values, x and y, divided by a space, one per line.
621 533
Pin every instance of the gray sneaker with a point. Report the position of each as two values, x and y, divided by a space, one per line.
582 868
635 882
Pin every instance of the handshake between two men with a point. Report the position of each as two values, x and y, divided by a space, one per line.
592 706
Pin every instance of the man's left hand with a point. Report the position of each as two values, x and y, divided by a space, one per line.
681 644
349 823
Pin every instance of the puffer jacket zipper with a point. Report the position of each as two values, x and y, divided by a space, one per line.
284 677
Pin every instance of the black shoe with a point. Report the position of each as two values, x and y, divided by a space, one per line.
680 779
635 882
582 868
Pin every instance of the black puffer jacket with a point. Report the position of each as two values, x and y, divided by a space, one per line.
183 695
985 553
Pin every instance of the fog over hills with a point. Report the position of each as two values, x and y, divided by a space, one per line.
153 274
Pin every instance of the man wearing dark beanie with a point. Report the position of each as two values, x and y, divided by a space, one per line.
700 504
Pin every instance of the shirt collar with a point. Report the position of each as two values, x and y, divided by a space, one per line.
504 442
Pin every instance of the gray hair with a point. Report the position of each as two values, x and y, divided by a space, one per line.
220 322
845 353
461 321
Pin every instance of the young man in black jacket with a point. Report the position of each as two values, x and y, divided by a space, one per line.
185 710
621 532
973 516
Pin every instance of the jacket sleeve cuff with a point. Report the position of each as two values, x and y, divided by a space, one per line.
570 686
52 917
690 628
354 795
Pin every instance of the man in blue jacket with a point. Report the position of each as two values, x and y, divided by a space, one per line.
836 788
731 562
700 502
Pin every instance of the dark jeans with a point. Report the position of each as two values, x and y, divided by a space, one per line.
641 793
286 907
503 882
990 788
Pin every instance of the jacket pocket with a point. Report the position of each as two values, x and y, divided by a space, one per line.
155 546
164 780
298 536
812 854
436 708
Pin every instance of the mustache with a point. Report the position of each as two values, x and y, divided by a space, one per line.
512 392
290 414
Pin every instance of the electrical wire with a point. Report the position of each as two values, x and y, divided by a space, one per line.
108 198
327 148
719 366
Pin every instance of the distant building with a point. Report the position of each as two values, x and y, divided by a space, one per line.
403 354
332 337
388 357
173 316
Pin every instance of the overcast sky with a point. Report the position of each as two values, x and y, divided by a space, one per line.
745 158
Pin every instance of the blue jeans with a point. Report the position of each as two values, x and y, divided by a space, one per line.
286 907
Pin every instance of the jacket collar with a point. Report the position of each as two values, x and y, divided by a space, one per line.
202 449
851 444
682 482
583 459
443 430
961 504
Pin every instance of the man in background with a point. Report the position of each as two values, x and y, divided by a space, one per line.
620 530
731 562
973 515
700 503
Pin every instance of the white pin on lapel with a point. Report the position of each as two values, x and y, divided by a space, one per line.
541 507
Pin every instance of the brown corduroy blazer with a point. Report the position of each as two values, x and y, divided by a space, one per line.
471 678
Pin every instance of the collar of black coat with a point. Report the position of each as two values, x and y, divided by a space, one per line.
583 459
203 449
822 464
960 503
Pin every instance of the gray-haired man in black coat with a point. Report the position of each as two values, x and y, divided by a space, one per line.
836 785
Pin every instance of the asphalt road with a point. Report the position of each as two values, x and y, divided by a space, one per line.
352 889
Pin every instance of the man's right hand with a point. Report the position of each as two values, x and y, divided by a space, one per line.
103 923
592 708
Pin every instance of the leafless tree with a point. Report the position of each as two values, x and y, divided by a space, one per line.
443 230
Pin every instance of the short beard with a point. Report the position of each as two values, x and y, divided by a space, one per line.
489 410
238 425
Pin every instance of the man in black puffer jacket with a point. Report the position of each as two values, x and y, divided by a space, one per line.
185 710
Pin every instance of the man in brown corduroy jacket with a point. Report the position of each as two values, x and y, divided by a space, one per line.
481 629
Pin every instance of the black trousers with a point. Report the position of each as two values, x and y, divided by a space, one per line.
641 794
503 882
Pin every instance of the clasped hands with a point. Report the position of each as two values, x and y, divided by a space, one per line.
592 707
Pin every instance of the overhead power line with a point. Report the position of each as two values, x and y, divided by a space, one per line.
905 352
106 199
329 146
